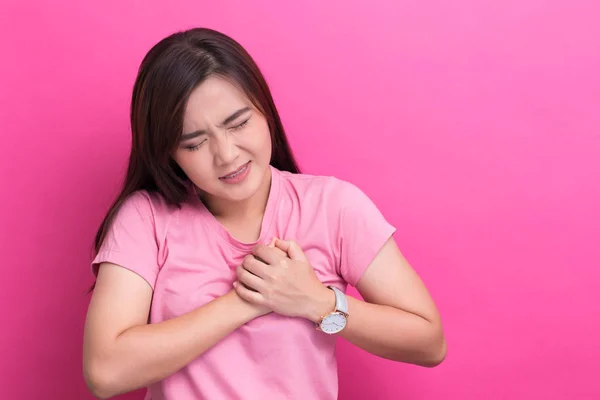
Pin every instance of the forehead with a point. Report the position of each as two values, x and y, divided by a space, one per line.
214 100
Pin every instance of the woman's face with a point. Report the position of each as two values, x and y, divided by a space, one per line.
225 147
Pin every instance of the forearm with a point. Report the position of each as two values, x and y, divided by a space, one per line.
394 334
146 354
386 331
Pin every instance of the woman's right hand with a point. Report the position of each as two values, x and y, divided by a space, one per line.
258 311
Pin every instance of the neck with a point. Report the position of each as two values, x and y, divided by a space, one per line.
252 207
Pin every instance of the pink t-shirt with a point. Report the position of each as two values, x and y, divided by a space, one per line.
189 259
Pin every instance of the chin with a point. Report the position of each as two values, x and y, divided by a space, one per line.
237 195
242 192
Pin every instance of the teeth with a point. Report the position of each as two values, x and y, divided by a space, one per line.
236 173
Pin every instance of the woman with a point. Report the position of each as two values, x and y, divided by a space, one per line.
220 269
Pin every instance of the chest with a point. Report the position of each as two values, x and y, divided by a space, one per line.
244 231
200 268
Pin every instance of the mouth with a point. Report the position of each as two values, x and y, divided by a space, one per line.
237 172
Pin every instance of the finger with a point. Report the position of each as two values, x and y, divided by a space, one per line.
249 295
251 281
240 283
270 255
292 249
255 266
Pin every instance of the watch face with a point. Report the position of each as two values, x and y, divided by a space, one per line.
333 323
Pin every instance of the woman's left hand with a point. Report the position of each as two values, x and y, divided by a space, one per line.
283 280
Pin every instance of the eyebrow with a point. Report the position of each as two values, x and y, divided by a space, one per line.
226 121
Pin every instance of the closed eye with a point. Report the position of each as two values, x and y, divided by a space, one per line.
233 128
239 126
196 146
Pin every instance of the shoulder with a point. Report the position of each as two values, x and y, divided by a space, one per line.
144 210
331 192
144 203
313 181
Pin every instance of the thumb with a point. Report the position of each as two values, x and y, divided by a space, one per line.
292 249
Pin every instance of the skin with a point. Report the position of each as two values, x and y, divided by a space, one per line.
222 132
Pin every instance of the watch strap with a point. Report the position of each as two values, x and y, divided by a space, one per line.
341 302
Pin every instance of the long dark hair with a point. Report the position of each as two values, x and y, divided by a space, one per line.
166 77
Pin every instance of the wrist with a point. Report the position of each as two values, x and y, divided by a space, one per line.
245 310
323 303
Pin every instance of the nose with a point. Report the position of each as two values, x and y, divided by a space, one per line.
224 149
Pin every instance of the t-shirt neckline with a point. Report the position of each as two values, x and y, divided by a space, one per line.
267 220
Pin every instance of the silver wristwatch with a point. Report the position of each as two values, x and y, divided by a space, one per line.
335 321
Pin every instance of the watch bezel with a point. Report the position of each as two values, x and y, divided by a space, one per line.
320 326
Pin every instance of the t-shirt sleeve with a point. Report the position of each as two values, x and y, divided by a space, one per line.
131 241
363 230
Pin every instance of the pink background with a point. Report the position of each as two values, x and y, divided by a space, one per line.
474 125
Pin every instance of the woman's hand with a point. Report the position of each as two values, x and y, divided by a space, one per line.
280 278
255 310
